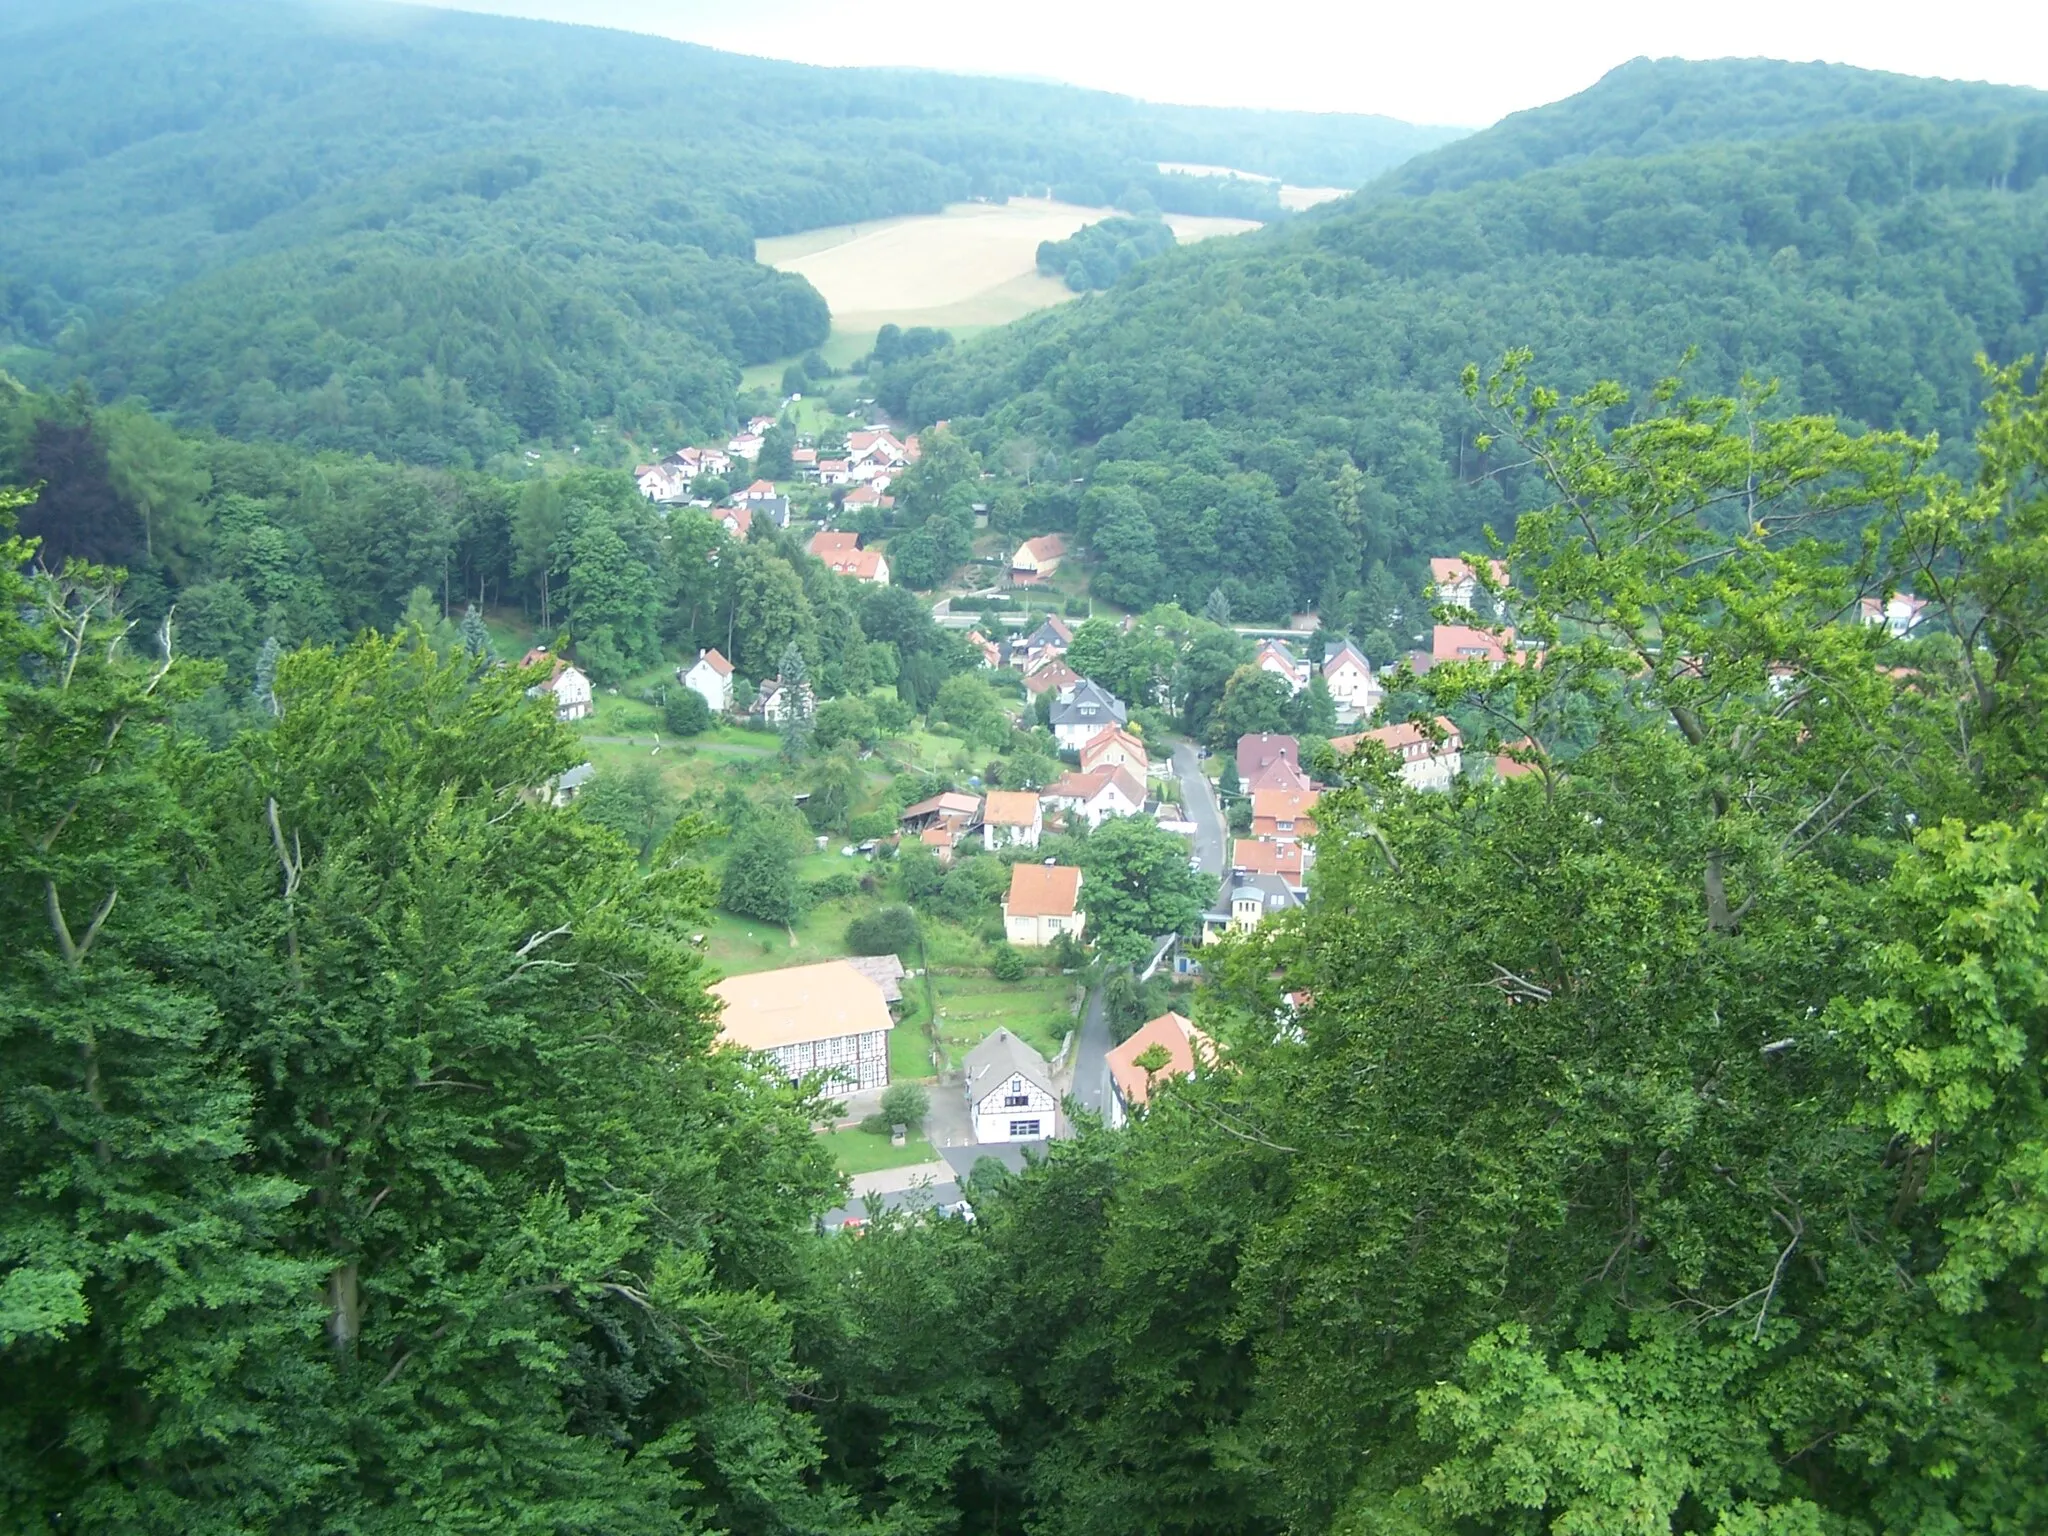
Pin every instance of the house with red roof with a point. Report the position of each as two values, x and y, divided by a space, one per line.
843 555
1284 815
567 682
1171 1035
1452 581
710 678
1097 795
1427 762
1115 747
1036 559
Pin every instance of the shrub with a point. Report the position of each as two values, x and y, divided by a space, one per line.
874 824
686 713
905 1104
875 1125
1078 608
886 931
837 886
1008 964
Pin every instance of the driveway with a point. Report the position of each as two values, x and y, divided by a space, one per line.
1198 796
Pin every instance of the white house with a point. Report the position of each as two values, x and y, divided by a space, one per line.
1044 902
1275 657
710 678
1349 676
1452 581
1009 1092
1899 613
746 446
1425 764
1080 711
774 702
566 681
827 1018
1130 1085
1011 818
1115 747
1098 794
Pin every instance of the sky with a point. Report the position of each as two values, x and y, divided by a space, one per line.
1467 63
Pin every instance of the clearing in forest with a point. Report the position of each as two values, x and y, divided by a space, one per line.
975 264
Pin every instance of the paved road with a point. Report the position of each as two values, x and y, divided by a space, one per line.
1091 1056
1199 798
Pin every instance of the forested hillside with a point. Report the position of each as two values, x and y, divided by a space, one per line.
434 235
1280 415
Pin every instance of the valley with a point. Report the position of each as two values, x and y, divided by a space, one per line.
760 799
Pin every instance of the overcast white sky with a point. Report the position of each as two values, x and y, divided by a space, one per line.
1466 62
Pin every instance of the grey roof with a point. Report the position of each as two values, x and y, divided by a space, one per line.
1332 654
1088 703
884 970
1013 1155
1273 892
577 777
1001 1055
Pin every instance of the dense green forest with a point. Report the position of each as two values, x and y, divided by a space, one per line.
1278 416
436 235
256 544
367 1168
1648 1139
1095 257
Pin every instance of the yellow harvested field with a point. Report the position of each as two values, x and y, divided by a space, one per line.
974 264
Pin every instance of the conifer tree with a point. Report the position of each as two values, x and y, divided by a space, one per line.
264 694
476 636
797 712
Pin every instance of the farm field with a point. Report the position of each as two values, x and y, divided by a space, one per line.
973 265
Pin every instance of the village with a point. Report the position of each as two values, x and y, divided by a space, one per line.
982 1024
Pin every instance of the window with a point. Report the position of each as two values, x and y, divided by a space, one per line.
1017 1101
1023 1127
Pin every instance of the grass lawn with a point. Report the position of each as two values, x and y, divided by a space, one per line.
1038 1010
737 945
857 1151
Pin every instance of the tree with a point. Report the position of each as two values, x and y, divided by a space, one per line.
760 878
613 602
475 636
777 443
1216 608
1136 886
633 801
538 528
1006 963
847 721
905 1104
1312 712
890 930
264 694
427 625
685 713
918 873
797 705
1254 700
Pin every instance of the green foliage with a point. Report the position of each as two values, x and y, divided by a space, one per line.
1137 886
685 713
633 801
1098 254
760 878
890 930
438 242
905 1104
356 1090
1006 963
1254 701
1273 419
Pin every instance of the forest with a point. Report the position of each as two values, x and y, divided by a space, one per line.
368 1168
1278 416
1644 1136
1095 257
437 236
